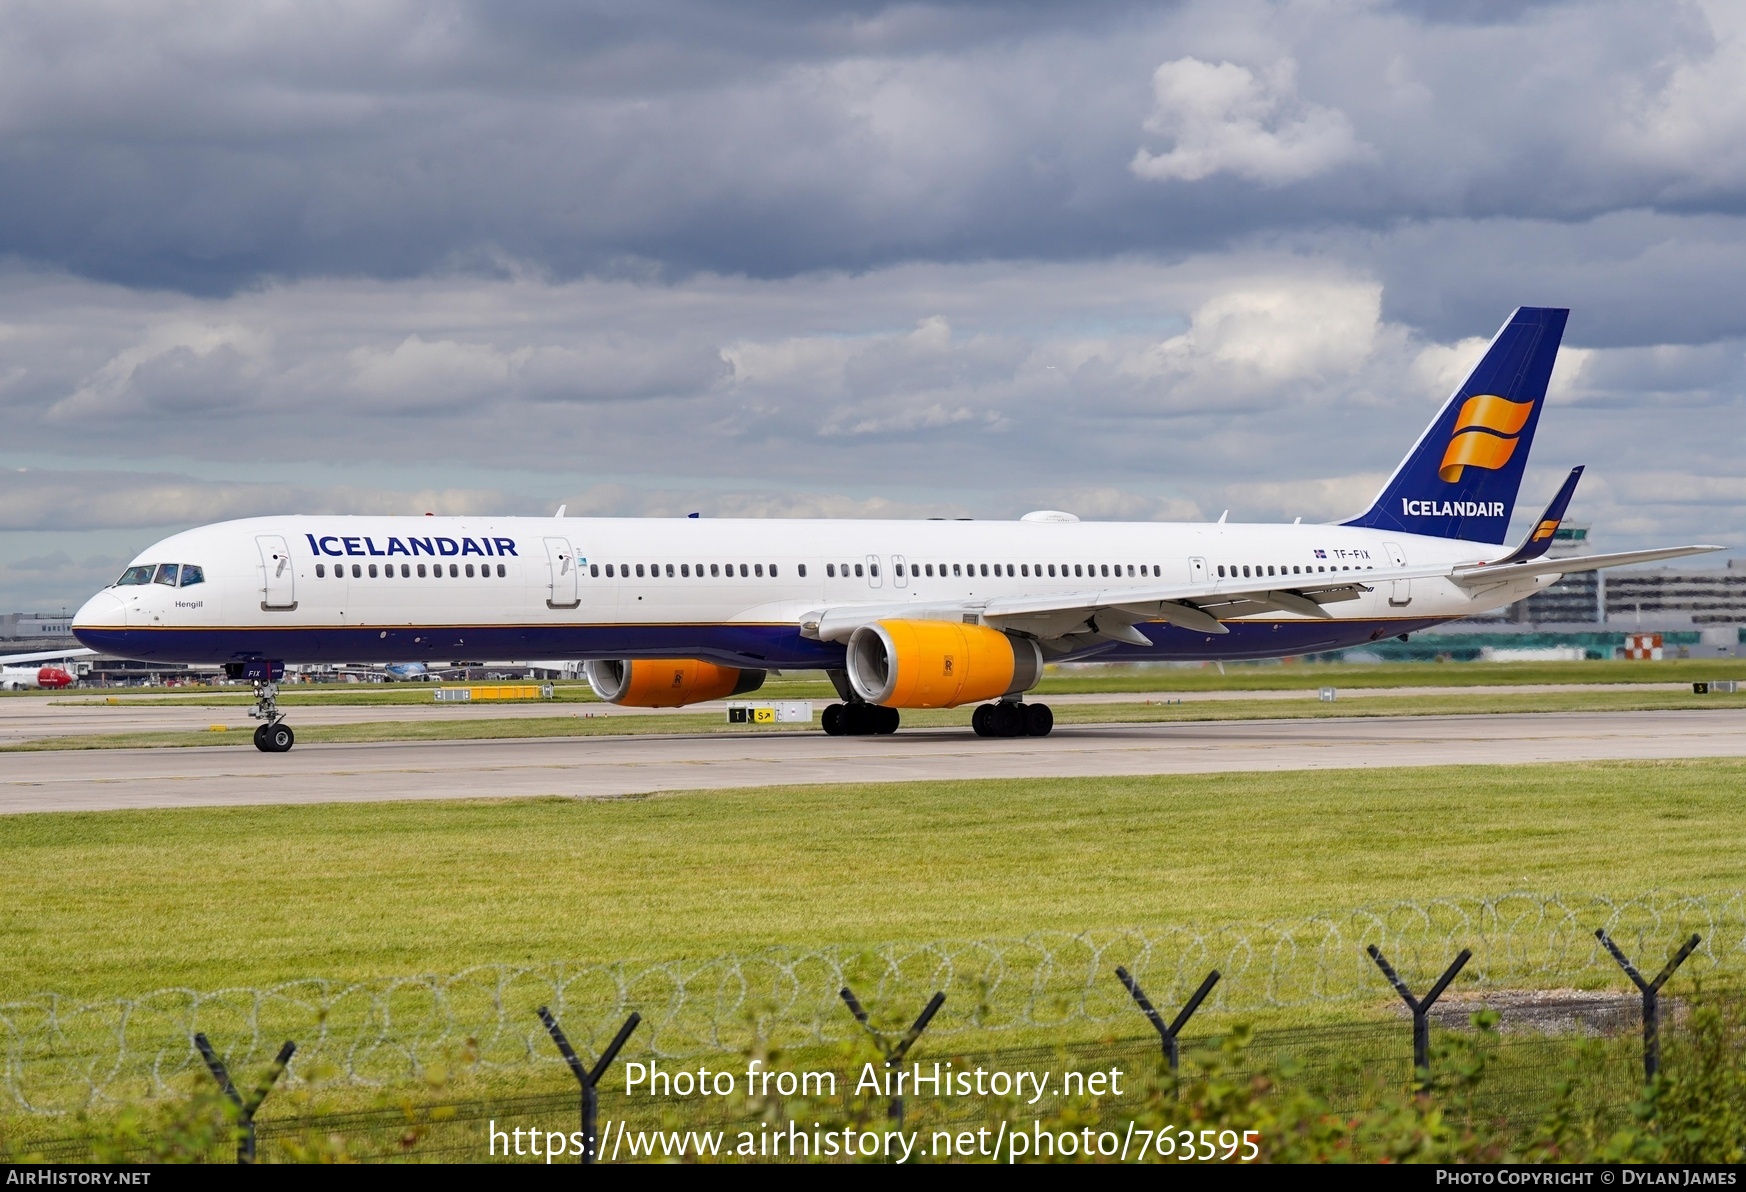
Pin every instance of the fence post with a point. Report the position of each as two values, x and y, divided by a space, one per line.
1421 1007
894 1053
1168 1033
1651 991
588 1078
245 1145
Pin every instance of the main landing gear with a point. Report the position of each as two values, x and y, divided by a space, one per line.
274 735
860 720
1011 719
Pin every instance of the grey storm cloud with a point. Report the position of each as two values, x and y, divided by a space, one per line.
860 259
38 499
206 145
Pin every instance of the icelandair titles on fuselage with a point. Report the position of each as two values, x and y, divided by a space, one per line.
1451 508
346 545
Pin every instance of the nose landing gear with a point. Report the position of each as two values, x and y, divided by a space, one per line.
275 738
1012 719
274 735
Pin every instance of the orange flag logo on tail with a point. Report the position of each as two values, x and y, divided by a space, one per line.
1485 435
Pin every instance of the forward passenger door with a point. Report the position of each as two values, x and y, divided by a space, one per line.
279 591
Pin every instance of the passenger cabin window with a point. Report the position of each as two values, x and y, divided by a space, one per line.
858 572
321 571
758 570
803 571
831 570
873 569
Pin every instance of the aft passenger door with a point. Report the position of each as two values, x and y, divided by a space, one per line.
279 591
1403 588
562 589
873 580
899 571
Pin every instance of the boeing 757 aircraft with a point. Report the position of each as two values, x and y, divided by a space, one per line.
899 614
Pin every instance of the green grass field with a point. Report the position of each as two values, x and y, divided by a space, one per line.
119 902
1454 703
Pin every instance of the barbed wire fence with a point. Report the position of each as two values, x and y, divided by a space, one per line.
62 1055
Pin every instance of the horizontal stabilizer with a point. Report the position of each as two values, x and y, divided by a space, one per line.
1503 570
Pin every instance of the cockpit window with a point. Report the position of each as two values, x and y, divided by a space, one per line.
136 575
192 575
166 574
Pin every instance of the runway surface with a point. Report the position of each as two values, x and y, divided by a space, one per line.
84 713
604 767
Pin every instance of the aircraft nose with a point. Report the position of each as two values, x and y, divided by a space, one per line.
105 610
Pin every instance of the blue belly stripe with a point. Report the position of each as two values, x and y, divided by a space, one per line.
780 646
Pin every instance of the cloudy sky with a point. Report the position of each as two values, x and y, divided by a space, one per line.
780 258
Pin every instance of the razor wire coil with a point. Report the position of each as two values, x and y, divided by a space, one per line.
60 1055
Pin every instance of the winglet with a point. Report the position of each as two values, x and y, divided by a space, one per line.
1539 539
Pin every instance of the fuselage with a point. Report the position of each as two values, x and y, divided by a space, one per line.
25 678
738 592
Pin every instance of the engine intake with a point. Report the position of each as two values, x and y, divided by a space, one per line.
667 682
939 664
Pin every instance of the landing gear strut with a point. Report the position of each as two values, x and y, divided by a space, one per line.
274 735
1009 718
860 720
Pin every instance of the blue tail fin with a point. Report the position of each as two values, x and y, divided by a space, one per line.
1461 478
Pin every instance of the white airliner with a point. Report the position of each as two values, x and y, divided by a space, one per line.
26 678
899 614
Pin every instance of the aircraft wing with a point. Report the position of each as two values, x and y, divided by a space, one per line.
46 656
1112 612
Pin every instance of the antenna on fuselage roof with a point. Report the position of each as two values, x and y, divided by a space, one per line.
560 512
1297 521
1223 516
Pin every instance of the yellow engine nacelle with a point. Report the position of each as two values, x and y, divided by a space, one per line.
939 664
667 682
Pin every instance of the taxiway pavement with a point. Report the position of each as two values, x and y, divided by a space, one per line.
605 767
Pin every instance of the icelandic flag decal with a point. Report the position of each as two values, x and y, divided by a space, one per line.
1321 554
